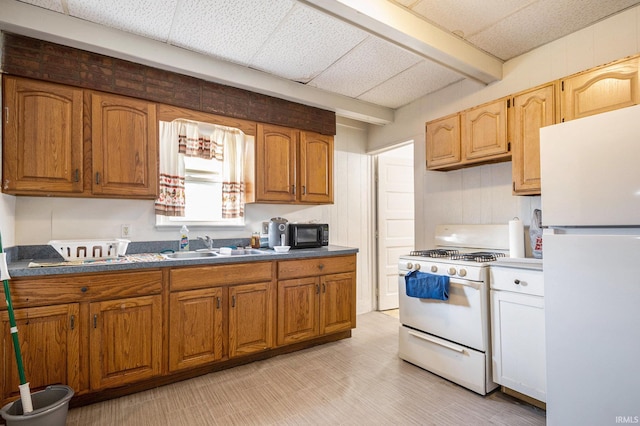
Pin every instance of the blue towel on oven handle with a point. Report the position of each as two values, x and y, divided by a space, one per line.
427 286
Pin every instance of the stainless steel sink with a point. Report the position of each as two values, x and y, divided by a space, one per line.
245 252
182 255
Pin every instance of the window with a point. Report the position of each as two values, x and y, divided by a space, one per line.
203 189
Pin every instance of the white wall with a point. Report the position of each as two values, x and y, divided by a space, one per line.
483 194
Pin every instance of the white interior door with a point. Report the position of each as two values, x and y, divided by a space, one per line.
395 219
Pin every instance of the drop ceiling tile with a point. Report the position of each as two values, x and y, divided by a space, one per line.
148 18
233 30
54 5
372 62
306 43
421 79
468 16
538 24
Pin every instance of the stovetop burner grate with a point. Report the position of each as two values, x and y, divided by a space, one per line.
434 253
480 256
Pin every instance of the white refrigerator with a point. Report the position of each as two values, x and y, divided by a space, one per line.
590 172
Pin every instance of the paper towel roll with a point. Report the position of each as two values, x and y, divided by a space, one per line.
516 238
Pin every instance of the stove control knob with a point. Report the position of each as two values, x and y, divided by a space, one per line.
462 272
409 265
452 271
417 266
434 268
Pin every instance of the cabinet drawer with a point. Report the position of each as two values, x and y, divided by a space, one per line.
526 281
218 275
318 266
80 288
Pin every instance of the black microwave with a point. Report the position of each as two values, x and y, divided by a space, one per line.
308 235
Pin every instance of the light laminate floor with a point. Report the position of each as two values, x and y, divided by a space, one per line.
356 381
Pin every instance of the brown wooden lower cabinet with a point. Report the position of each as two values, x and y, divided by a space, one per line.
251 322
195 328
49 342
125 341
109 334
318 299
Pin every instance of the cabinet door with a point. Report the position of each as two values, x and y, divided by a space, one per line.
250 318
518 341
316 168
532 110
298 309
42 137
604 89
49 343
337 303
276 163
443 142
484 132
124 142
125 341
195 328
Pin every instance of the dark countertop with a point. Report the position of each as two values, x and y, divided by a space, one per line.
20 268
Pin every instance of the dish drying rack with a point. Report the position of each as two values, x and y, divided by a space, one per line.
90 249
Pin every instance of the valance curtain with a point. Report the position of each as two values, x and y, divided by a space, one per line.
181 138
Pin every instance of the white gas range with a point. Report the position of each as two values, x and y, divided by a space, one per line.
451 338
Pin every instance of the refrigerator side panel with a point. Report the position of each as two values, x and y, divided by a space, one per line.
590 170
592 312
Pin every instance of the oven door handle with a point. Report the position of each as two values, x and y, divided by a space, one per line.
443 344
471 284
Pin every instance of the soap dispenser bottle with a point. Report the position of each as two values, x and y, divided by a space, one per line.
184 238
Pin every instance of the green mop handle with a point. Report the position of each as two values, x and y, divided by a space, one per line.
14 328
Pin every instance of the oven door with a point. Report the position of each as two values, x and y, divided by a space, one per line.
462 319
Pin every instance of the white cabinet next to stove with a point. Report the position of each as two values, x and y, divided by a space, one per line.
518 328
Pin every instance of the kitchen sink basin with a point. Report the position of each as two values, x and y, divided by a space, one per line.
182 255
242 252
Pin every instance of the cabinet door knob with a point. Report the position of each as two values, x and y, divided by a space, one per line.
83 289
516 281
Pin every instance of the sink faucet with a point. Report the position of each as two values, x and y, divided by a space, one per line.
208 241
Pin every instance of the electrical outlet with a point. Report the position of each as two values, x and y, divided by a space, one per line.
125 230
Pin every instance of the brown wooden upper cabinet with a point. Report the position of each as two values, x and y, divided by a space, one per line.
293 166
47 151
484 132
443 142
124 142
605 88
474 136
42 151
531 110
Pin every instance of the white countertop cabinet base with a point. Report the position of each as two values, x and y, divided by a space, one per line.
518 332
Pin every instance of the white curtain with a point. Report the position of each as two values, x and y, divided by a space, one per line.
171 199
183 138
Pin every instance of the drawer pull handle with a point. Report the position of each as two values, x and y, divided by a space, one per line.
516 281
444 345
